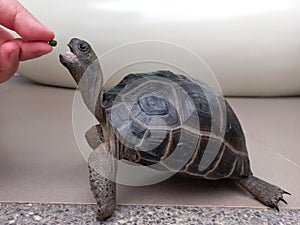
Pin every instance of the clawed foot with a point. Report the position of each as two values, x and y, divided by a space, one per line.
275 198
268 194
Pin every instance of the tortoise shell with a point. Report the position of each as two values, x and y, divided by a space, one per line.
172 122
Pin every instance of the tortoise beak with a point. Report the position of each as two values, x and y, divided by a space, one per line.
69 57
71 47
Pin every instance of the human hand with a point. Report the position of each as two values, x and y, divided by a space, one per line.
33 42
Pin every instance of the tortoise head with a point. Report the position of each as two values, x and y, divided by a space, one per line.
80 57
82 63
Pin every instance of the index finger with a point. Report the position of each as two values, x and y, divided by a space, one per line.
15 17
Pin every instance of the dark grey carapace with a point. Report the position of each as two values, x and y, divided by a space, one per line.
136 108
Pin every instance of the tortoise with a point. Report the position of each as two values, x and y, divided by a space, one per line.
183 129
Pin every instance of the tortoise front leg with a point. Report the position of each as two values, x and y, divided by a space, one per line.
94 136
102 168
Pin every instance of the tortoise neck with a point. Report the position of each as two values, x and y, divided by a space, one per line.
90 86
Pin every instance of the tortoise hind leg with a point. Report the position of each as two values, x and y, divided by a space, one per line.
266 193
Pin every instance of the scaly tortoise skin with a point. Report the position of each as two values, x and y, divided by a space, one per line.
218 144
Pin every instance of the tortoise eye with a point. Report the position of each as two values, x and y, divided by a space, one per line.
83 47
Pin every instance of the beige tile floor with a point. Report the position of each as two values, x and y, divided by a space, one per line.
40 160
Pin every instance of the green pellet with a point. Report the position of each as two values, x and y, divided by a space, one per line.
53 43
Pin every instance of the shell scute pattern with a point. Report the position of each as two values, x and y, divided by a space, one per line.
165 118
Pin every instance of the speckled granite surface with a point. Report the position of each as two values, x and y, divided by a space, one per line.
15 213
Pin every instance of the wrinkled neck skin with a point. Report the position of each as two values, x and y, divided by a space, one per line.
90 86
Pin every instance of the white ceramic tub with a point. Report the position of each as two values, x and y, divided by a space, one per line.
252 46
